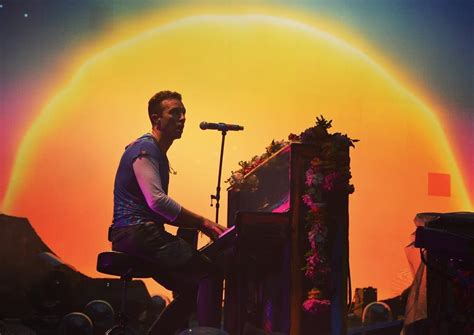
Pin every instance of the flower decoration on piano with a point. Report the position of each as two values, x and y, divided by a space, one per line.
327 172
314 304
237 180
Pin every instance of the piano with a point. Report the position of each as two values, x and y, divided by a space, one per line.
265 285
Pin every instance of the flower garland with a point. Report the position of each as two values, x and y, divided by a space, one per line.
237 181
328 171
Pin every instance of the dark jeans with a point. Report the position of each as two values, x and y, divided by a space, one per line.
195 280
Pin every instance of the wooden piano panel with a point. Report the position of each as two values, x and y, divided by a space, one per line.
257 287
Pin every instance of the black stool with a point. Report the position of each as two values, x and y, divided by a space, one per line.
126 267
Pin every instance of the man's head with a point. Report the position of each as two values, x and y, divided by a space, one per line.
167 113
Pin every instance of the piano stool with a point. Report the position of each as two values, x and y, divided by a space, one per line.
126 267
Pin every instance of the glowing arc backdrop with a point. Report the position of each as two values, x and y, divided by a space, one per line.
274 75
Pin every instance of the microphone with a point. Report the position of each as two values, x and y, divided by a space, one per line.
220 126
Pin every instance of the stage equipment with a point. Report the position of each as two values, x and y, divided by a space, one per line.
158 303
38 288
442 297
363 297
102 315
266 286
223 128
190 235
75 324
376 312
220 126
13 327
445 242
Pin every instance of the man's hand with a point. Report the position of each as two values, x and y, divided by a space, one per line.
188 219
211 229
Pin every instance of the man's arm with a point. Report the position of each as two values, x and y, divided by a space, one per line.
189 219
149 180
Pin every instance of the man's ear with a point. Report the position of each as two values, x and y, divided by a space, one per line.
156 120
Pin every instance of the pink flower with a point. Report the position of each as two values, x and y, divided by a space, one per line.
307 200
309 177
310 273
313 236
316 306
310 261
312 233
329 181
319 229
313 261
315 207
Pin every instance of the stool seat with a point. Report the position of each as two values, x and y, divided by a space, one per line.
125 265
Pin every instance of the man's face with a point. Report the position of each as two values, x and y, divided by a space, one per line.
171 122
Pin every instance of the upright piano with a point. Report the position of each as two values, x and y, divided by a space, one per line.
266 286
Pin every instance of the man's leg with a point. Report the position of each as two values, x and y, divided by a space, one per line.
175 316
206 283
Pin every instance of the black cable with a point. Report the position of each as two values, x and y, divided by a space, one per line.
349 282
349 288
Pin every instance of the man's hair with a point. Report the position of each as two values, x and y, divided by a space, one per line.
154 104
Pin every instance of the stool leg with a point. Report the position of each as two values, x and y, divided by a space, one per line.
122 317
121 327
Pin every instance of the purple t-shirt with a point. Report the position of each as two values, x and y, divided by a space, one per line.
141 186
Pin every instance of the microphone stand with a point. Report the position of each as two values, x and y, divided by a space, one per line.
189 235
217 196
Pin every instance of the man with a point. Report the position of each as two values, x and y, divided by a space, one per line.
142 206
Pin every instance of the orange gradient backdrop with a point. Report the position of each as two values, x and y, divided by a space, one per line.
271 73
